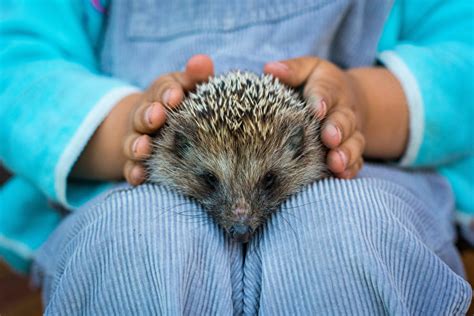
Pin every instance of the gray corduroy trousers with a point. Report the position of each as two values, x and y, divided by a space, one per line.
379 244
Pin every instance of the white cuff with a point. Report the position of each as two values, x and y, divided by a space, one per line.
466 225
85 131
415 103
16 247
464 219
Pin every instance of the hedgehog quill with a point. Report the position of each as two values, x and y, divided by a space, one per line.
240 145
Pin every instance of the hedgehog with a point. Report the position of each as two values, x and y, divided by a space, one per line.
240 145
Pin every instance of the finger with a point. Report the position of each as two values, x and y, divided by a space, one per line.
338 127
134 173
147 118
137 147
170 89
293 72
198 69
324 88
353 148
347 154
316 74
352 171
167 90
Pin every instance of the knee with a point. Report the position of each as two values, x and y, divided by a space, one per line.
136 244
145 221
358 220
344 214
368 233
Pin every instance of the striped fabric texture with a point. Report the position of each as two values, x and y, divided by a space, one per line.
364 247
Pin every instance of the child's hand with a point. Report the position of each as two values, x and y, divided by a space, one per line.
149 113
334 97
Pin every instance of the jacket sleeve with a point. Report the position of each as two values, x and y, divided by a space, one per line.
428 46
52 96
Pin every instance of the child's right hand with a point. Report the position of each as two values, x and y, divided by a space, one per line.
149 113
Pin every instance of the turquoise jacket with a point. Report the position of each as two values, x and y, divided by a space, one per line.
53 97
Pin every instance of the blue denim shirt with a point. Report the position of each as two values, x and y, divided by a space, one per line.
147 38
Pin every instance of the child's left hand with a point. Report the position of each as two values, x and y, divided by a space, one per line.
334 97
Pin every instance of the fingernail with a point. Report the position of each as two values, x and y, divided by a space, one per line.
278 65
167 96
332 131
322 108
319 106
135 145
149 112
343 158
136 174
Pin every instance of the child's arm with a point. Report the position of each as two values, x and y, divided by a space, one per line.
62 116
418 110
361 104
429 47
51 94
123 136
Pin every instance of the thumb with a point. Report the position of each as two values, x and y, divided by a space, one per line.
312 73
293 72
198 69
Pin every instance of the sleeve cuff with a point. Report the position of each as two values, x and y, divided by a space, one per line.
79 140
415 104
466 224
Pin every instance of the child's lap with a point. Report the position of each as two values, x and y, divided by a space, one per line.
380 199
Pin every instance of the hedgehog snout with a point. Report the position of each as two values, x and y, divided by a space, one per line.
240 232
240 228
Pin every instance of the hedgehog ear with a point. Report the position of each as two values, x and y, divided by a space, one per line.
295 141
181 144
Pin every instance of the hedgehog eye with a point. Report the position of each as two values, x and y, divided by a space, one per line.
296 141
181 144
210 179
269 180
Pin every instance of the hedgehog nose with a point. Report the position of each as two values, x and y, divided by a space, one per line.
240 232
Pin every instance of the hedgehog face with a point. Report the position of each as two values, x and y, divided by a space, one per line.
243 159
241 184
